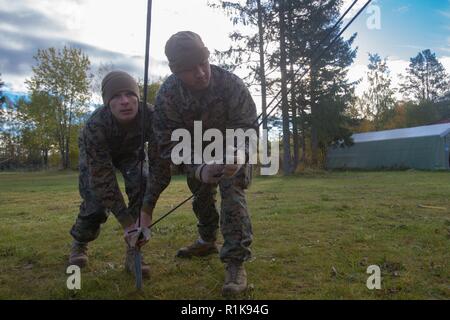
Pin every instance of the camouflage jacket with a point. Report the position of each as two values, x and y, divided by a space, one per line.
104 144
226 104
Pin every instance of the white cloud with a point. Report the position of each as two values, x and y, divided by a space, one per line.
397 67
14 83
402 9
444 13
446 63
447 47
11 42
359 71
113 25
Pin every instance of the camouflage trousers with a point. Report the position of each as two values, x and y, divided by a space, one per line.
92 215
235 223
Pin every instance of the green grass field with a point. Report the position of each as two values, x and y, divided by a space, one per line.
315 234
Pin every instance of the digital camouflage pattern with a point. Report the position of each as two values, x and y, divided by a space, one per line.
226 104
105 146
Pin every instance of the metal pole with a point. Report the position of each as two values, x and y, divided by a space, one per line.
138 256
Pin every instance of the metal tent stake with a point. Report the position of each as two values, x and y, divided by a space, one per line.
138 267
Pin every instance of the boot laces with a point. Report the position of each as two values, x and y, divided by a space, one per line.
233 269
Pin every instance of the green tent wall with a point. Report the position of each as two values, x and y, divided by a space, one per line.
425 147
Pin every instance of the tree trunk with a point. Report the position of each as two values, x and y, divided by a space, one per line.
60 118
293 92
427 81
45 158
284 104
295 136
303 138
67 161
314 146
262 71
63 157
314 134
67 145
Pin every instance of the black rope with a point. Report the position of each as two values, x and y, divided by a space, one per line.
173 209
293 76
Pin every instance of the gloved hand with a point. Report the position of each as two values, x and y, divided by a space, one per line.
136 236
146 222
231 169
209 173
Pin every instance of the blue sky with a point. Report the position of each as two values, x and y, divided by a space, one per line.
111 32
407 27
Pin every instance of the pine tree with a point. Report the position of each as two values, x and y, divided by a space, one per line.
324 94
426 79
378 99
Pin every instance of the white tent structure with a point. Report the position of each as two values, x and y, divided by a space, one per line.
425 147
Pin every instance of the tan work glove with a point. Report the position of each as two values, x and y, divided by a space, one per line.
209 173
230 170
136 236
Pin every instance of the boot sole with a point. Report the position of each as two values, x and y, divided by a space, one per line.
227 292
80 264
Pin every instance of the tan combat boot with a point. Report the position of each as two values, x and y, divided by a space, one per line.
198 249
129 264
78 254
235 279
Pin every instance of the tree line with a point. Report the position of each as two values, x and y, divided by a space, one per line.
321 108
425 89
277 42
41 130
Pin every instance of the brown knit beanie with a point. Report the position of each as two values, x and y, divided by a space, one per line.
185 49
117 81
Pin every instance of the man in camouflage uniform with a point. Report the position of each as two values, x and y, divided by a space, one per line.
198 91
111 139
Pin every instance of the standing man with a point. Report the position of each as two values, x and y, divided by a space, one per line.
111 139
198 91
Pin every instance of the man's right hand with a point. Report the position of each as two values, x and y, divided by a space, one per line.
136 236
145 223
